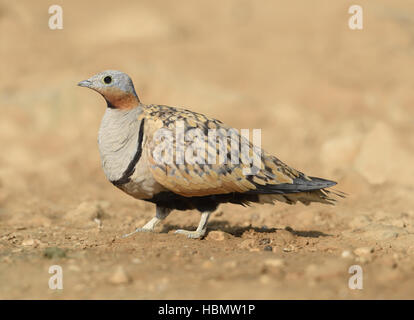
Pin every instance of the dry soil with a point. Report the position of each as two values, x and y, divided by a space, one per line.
330 101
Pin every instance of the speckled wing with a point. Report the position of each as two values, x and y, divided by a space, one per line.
224 174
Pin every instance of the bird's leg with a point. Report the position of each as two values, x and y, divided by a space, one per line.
161 214
201 229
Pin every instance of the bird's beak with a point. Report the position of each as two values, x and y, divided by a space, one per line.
85 83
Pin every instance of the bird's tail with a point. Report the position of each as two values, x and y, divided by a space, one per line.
307 197
313 190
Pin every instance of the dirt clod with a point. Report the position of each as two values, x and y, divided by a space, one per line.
217 236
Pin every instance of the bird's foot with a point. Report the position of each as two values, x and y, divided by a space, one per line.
198 234
150 226
136 231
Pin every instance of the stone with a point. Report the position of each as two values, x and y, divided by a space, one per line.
28 242
217 236
274 263
364 251
119 277
264 279
264 241
289 248
347 254
364 254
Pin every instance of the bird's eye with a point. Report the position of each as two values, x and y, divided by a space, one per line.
107 79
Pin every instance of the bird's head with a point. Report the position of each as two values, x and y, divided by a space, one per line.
115 86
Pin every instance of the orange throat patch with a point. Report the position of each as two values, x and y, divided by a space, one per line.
119 99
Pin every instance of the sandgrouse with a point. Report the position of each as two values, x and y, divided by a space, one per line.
135 158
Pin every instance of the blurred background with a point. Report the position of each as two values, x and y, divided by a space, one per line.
331 101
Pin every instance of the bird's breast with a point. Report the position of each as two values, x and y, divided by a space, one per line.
123 155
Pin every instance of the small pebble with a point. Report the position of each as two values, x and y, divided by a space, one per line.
264 279
363 251
289 248
364 254
28 242
264 241
274 263
346 254
119 277
217 235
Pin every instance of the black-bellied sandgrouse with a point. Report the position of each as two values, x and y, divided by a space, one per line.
179 159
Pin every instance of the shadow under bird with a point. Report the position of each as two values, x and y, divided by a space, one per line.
127 141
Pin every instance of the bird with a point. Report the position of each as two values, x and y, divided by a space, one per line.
138 141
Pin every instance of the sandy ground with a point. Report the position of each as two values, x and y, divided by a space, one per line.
330 101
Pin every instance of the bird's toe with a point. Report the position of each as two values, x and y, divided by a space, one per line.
136 231
191 234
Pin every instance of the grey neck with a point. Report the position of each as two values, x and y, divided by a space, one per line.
118 140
